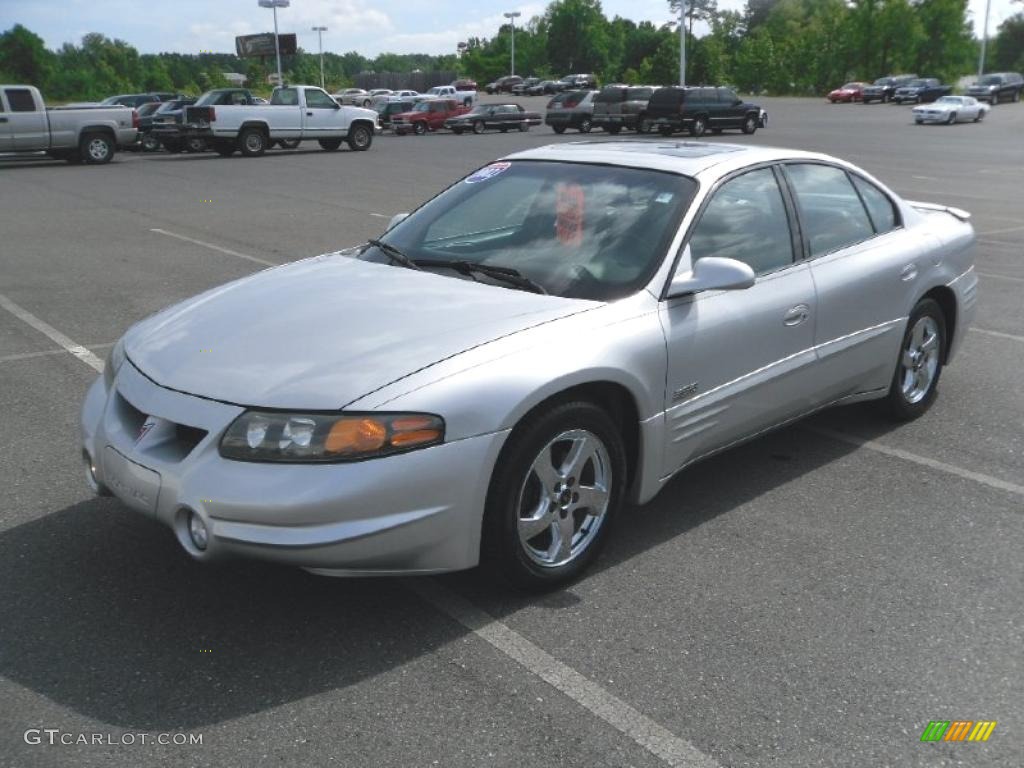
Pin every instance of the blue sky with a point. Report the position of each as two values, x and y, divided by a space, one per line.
399 26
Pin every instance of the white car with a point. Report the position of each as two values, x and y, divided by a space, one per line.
355 97
951 109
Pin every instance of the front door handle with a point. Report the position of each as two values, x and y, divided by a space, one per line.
3 119
309 114
796 315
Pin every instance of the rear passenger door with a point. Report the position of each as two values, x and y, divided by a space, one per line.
865 265
26 122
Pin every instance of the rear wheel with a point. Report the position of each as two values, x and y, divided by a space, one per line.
150 143
478 127
586 125
419 127
195 145
360 137
329 144
749 124
558 129
554 493
698 127
916 379
252 142
96 148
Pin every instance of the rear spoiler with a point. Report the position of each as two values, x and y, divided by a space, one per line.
959 213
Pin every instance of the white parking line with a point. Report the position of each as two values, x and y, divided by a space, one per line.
1000 277
967 474
998 334
653 737
47 353
46 329
380 215
213 247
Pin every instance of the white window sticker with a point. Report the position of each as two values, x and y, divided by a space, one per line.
487 172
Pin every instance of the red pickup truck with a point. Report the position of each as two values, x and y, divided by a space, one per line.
427 116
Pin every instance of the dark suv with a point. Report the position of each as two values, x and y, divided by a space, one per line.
622 106
700 109
884 88
504 84
998 86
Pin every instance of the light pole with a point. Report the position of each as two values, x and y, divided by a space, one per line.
984 41
512 19
682 43
320 37
275 4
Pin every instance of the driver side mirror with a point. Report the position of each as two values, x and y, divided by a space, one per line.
712 273
397 219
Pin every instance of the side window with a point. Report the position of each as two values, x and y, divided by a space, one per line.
880 207
746 220
287 97
318 99
20 100
726 96
831 212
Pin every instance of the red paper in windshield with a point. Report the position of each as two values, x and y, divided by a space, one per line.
569 200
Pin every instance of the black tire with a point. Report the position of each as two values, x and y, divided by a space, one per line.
749 124
224 148
559 129
994 100
1016 96
951 119
194 145
419 127
586 125
329 144
885 98
502 552
252 142
150 143
897 404
96 149
699 126
978 118
360 138
478 127
524 127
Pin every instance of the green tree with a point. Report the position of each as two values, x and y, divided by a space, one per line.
1008 45
577 36
24 58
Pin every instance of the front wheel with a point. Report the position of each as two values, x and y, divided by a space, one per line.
478 127
419 128
329 144
916 379
749 124
360 138
194 145
252 142
554 493
524 126
698 127
951 119
96 149
586 125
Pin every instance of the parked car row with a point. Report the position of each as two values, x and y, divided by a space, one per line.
901 89
535 86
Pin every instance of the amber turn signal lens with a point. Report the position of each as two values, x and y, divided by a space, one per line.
412 423
406 439
356 436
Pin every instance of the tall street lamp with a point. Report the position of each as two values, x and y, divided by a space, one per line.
682 43
984 42
320 37
512 19
275 4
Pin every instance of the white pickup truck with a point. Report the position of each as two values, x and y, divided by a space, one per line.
295 113
90 134
465 98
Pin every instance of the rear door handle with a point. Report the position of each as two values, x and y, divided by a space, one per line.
796 315
309 114
908 273
3 119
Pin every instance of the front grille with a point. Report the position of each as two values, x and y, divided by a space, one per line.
171 441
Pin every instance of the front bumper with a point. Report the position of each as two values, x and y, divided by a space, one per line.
418 512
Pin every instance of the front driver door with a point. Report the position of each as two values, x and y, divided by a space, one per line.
322 116
740 361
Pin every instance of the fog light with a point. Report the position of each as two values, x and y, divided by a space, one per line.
90 476
197 531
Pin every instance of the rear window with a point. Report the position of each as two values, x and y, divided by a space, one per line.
611 95
639 94
20 100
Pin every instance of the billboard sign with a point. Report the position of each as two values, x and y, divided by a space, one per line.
263 45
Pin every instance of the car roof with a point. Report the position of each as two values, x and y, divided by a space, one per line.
689 158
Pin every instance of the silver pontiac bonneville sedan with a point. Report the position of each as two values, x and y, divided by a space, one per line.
553 336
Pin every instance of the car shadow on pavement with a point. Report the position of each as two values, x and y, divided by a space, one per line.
103 613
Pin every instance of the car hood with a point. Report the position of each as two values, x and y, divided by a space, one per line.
320 333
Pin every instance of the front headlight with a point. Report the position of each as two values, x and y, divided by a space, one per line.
327 437
115 359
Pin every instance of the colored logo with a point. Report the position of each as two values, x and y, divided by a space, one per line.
958 730
487 172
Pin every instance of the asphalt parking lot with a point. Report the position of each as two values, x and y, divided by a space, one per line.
813 598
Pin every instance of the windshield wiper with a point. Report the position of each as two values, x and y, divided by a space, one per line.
394 254
504 274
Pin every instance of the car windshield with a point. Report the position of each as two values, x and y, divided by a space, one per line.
916 83
951 100
582 231
990 80
883 81
423 106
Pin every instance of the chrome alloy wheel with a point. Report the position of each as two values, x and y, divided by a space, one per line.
564 498
253 142
920 360
98 149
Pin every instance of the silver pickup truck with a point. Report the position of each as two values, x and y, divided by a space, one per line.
295 113
89 134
